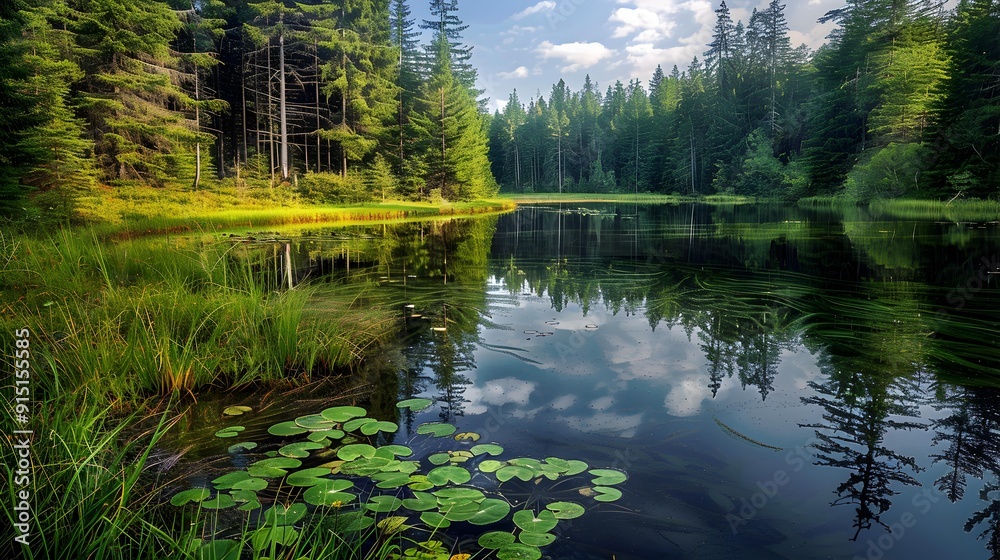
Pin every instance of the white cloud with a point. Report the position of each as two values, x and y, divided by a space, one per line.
577 55
519 72
544 6
518 30
648 24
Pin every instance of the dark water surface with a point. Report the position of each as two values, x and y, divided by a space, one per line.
778 382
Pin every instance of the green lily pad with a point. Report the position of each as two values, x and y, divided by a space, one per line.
273 468
491 466
566 510
300 450
286 429
607 494
491 510
315 422
496 539
236 410
518 551
383 504
465 494
355 450
343 413
352 522
608 477
267 537
436 429
357 423
467 436
536 539
222 501
491 449
229 432
442 475
389 480
526 520
329 493
242 446
252 484
372 428
421 501
278 515
435 520
576 467
250 505
325 435
392 525
307 477
439 458
462 511
415 405
193 495
266 472
514 471
226 481
527 462
560 465
420 483
396 450
243 496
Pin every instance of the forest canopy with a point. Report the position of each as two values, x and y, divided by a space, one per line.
351 100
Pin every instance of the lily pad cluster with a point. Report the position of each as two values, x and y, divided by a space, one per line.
329 468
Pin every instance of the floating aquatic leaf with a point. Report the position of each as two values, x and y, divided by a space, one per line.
439 458
518 551
280 463
193 495
327 492
252 484
355 450
236 410
436 429
459 456
514 471
536 539
285 429
353 425
558 464
315 422
391 480
383 504
435 520
219 549
307 477
278 515
250 506
352 521
496 539
491 466
242 446
526 521
491 449
325 436
363 466
565 510
420 483
300 450
267 537
396 450
421 501
415 405
460 511
467 494
222 501
467 436
243 496
442 475
372 428
343 413
491 510
392 525
266 472
226 481
229 432
608 477
533 464
576 467
606 494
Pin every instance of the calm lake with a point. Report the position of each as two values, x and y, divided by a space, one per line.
778 382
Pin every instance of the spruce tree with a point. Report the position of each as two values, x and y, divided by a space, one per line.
16 115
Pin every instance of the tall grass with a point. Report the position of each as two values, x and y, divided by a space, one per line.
956 211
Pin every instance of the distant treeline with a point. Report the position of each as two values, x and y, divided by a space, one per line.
179 91
904 100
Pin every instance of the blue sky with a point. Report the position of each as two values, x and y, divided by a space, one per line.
531 44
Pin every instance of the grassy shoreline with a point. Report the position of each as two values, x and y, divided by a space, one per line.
641 198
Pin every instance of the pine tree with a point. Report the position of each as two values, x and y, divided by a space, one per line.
453 133
405 40
16 116
447 22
